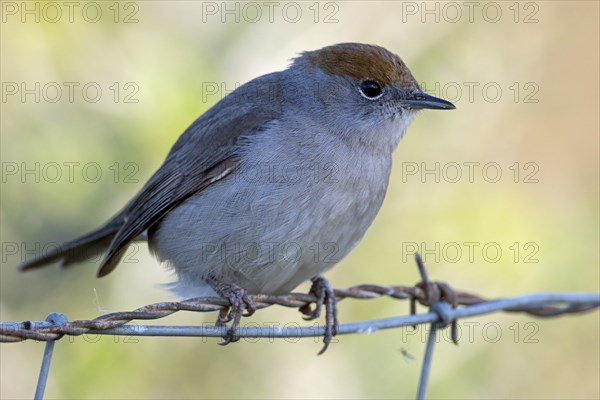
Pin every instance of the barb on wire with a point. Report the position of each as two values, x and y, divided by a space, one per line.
426 293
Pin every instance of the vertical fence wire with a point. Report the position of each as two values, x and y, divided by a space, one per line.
424 379
54 319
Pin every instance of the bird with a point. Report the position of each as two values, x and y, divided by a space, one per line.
273 185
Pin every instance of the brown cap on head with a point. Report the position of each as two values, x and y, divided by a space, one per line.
362 61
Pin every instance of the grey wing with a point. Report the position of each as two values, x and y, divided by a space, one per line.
204 154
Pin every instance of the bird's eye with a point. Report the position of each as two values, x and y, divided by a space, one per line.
371 90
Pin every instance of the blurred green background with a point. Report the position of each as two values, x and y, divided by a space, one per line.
525 79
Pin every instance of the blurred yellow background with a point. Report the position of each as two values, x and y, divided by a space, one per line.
94 95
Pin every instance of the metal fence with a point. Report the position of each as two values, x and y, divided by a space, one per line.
445 304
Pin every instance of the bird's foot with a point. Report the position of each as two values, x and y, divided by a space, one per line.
240 304
323 291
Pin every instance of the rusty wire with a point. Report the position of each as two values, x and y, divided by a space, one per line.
43 331
442 300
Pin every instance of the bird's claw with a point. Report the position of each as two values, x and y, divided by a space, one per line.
324 294
240 305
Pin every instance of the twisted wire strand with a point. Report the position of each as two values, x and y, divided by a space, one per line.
11 332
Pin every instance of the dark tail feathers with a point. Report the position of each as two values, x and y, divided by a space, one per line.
75 251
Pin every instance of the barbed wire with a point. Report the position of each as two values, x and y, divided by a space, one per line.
547 303
541 305
445 304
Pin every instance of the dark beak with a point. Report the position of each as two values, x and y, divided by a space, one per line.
422 100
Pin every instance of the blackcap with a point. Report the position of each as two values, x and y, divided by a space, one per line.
274 184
